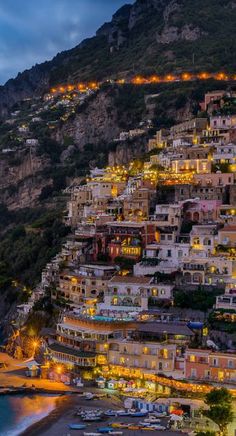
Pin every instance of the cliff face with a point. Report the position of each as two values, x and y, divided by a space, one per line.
95 123
20 179
126 151
149 36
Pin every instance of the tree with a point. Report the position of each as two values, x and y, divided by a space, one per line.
220 408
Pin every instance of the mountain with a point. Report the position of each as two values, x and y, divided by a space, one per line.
150 36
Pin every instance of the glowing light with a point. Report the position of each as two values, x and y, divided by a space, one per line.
59 369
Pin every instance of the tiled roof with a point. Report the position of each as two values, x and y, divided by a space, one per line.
131 279
162 328
70 351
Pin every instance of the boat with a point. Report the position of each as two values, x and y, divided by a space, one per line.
116 432
105 430
152 420
120 425
92 418
122 413
160 414
92 434
89 396
77 426
138 414
110 413
157 427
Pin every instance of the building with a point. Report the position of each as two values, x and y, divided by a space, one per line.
137 205
81 289
191 127
199 166
128 239
125 296
210 365
82 342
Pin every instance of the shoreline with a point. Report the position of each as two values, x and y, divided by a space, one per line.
29 390
65 403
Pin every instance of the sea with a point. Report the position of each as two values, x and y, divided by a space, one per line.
18 412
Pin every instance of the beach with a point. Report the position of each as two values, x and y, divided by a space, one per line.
13 375
57 422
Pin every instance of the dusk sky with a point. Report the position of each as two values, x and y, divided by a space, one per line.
32 31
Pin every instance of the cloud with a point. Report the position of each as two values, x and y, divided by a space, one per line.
32 31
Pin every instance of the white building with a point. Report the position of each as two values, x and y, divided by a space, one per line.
126 295
223 122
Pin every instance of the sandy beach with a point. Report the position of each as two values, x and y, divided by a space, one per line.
13 375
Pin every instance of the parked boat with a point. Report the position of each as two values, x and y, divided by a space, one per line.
92 418
92 434
105 430
77 426
152 420
116 432
110 413
123 413
159 414
138 414
89 396
157 427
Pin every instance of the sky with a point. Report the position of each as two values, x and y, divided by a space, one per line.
32 31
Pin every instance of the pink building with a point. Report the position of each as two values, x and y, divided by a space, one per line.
210 365
201 211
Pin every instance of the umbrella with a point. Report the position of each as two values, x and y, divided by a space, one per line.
178 412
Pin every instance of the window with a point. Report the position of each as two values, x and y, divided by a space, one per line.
168 253
192 358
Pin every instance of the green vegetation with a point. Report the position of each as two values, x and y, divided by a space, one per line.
220 408
202 299
33 237
220 320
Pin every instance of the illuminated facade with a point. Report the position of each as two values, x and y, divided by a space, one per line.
210 366
126 295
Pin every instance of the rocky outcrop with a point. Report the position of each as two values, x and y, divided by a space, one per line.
127 151
96 123
172 34
20 179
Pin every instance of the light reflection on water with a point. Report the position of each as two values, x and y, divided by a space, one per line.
17 413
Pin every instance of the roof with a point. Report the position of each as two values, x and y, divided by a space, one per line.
131 279
70 351
228 229
162 328
127 224
97 266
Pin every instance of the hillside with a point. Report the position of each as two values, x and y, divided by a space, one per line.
150 36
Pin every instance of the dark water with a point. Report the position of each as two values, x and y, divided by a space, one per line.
17 413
